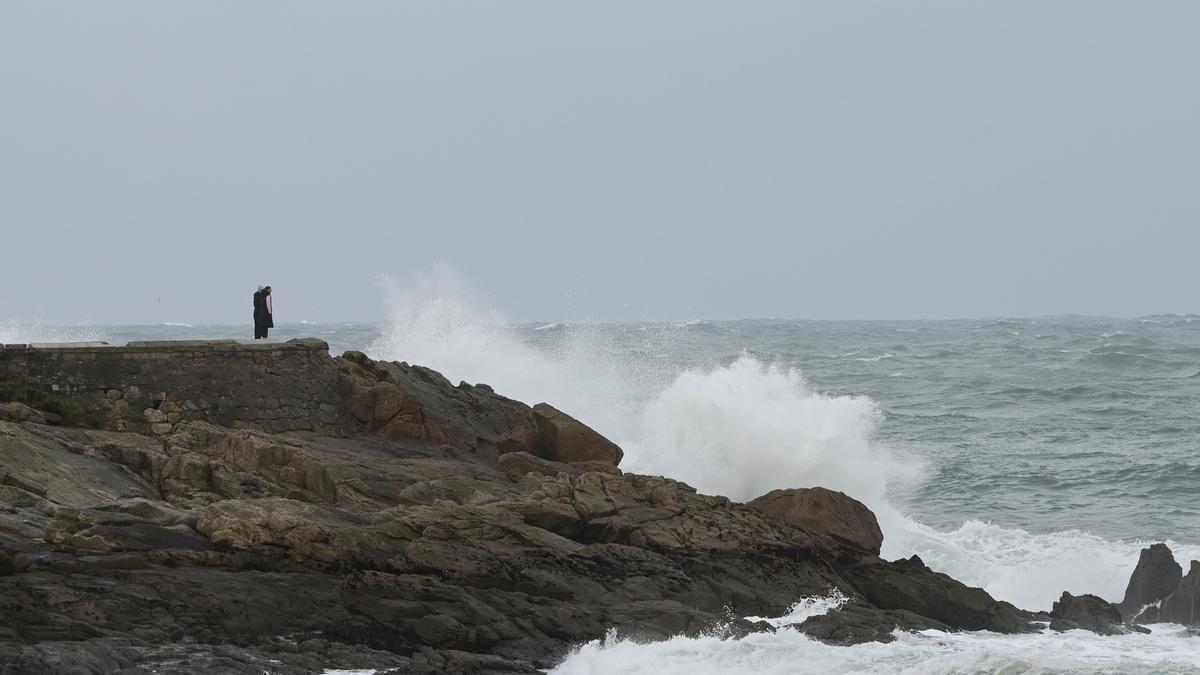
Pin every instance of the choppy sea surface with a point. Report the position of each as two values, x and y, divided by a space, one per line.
1026 456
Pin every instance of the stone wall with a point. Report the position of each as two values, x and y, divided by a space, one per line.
152 386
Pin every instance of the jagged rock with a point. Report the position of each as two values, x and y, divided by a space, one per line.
1089 612
517 464
1155 577
910 585
825 511
1183 604
563 438
399 401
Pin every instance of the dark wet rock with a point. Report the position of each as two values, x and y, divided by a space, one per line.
910 585
1156 576
855 624
1183 604
1089 612
825 511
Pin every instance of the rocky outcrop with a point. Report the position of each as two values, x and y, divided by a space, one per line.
1155 577
1183 604
825 511
1157 593
403 402
909 585
422 526
1088 612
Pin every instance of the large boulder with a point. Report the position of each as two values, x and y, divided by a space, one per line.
826 512
1156 576
1088 612
1183 604
563 438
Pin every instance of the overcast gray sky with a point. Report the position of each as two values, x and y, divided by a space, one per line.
615 160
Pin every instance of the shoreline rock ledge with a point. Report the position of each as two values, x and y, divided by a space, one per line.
218 507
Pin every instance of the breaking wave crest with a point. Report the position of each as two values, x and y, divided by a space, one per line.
744 429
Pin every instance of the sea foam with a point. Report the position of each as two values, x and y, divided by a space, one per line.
1168 650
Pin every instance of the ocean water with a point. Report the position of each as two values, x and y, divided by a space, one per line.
1026 456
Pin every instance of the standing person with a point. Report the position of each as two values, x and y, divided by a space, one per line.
262 312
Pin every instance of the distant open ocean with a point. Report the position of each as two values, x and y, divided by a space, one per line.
1026 456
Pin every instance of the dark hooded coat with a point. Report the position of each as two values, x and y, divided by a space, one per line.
262 315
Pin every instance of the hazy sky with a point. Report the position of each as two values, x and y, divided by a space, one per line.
615 160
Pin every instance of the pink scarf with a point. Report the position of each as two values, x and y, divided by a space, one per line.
270 309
